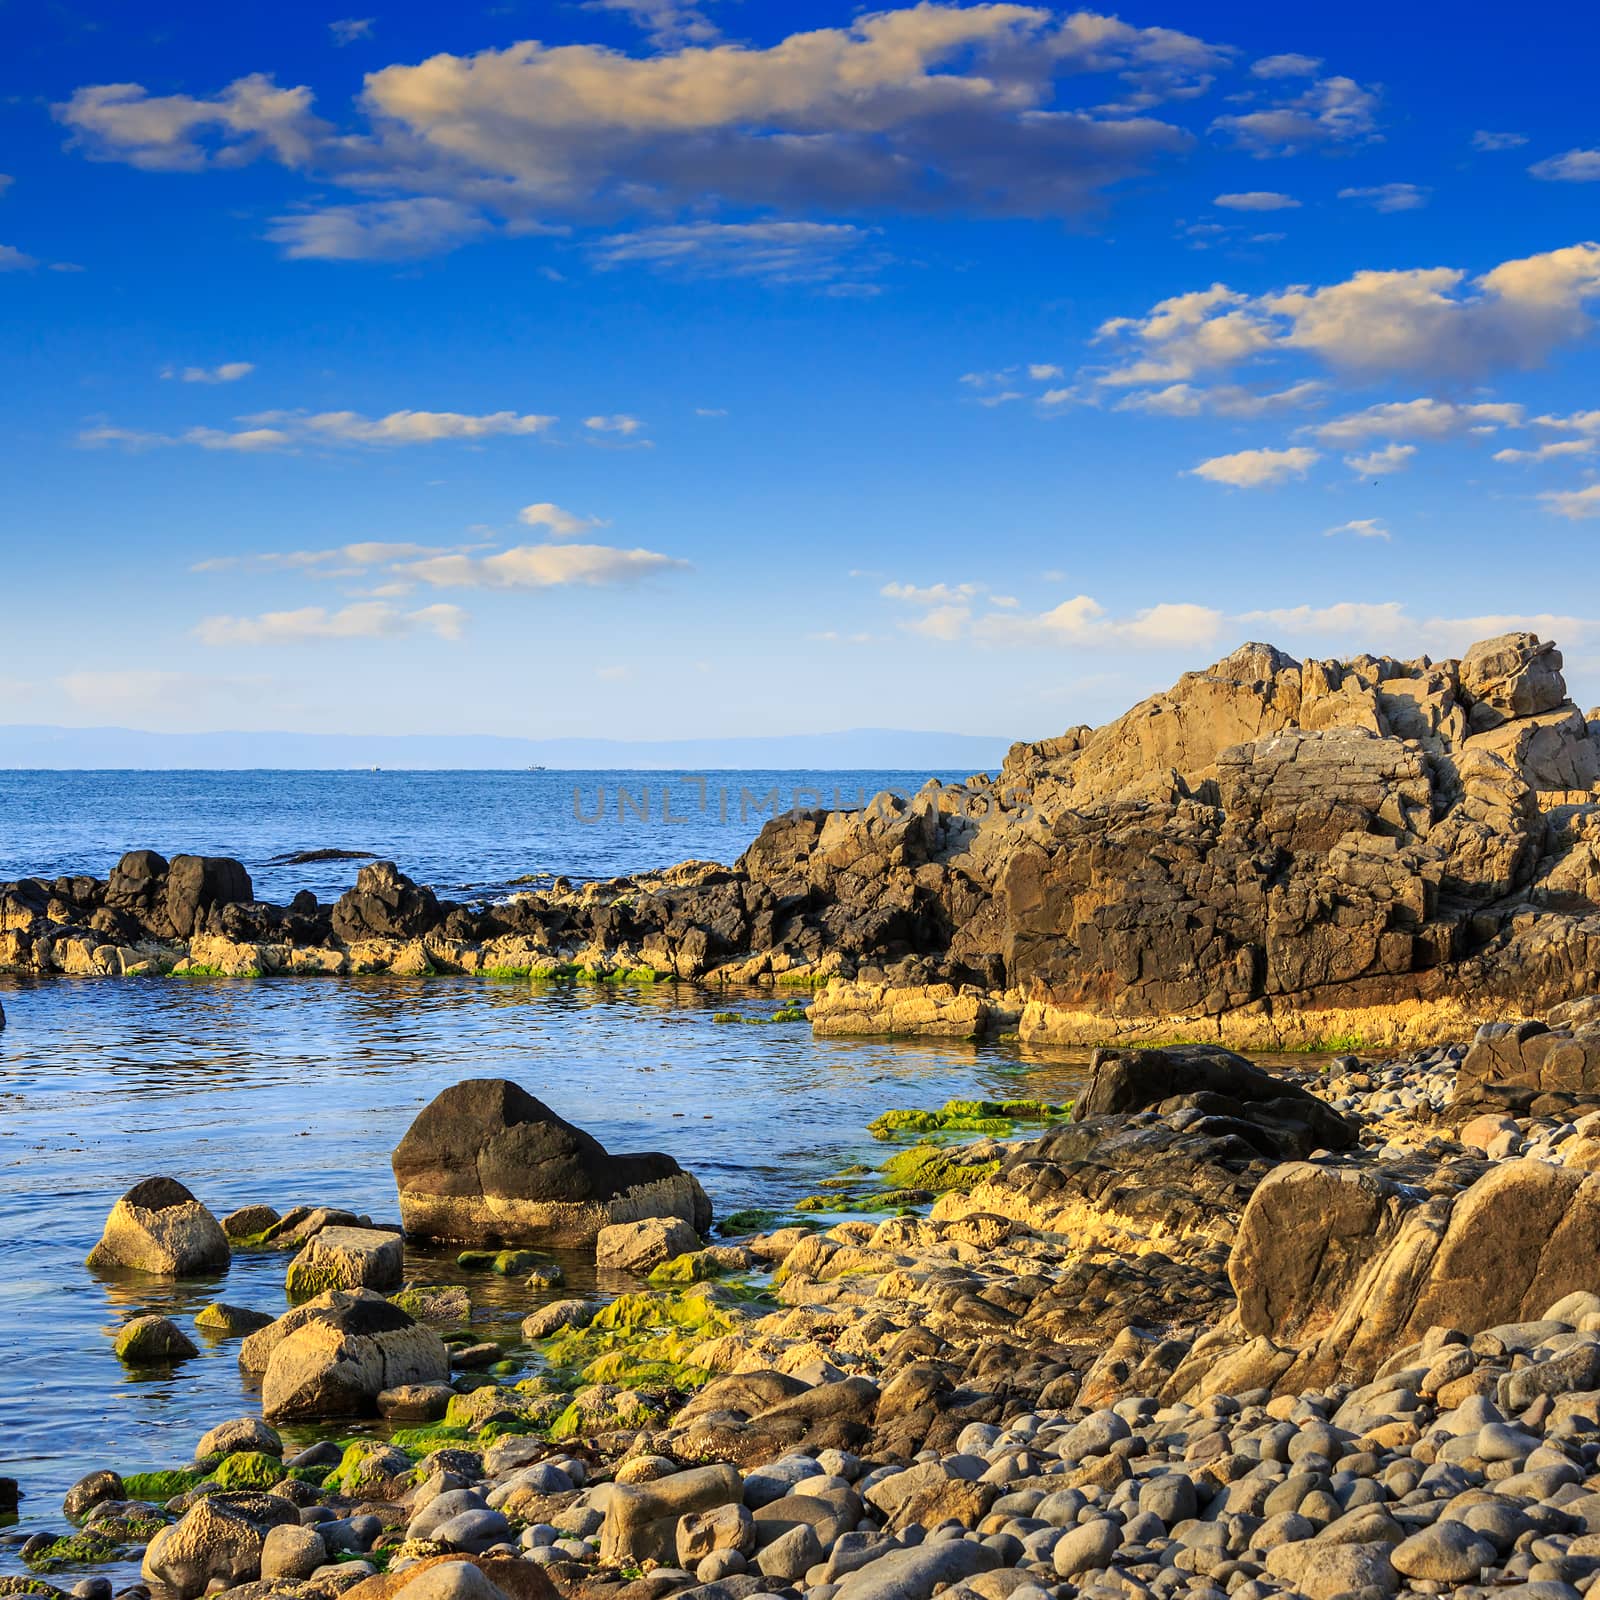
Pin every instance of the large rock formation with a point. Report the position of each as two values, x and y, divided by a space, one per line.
485 1162
1347 1269
1272 851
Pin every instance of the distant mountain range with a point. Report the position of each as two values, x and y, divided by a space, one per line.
856 749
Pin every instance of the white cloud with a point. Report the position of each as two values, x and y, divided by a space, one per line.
1258 469
666 23
1483 139
1577 505
1222 400
558 523
1288 65
625 425
378 230
1417 419
1577 422
1377 463
1557 450
361 554
943 622
178 132
543 566
1043 371
347 30
932 594
776 252
15 260
407 427
284 430
1330 111
932 107
1436 322
371 619
1257 200
227 372
1360 528
1576 166
1389 196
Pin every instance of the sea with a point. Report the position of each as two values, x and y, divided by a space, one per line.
296 1090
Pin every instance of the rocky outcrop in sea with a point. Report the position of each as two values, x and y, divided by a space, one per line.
1272 852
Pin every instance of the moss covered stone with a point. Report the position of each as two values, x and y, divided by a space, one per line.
87 1546
751 1220
935 1168
249 1469
159 1487
997 1117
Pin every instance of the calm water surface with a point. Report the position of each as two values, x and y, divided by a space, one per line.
296 1090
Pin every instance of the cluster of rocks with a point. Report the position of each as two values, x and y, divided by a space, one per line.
1273 851
1227 1333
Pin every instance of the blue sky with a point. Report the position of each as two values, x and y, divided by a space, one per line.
644 369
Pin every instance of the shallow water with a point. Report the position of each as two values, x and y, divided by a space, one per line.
296 1090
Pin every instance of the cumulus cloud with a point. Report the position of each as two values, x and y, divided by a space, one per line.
346 30
1577 505
1257 200
1331 111
227 372
928 108
620 423
1575 166
557 523
1360 528
1577 422
1258 469
778 252
371 619
179 132
1378 463
1436 322
15 260
543 566
1389 196
1425 418
378 230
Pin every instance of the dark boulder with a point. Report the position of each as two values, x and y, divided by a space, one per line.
198 885
486 1162
1531 1068
1277 1117
385 904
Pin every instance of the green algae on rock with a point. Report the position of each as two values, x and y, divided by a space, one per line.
936 1167
998 1117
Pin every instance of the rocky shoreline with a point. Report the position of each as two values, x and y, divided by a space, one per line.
1272 854
1223 1333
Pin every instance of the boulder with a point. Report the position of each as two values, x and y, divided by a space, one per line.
1529 1069
1349 1270
639 1247
1220 1084
444 1577
1514 675
241 1433
642 1519
152 1342
485 1162
196 885
219 1538
160 1228
347 1258
385 904
336 1354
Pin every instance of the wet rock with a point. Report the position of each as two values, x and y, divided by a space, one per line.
152 1341
224 1321
485 1162
219 1538
638 1247
346 1258
558 1314
89 1491
336 1354
242 1433
160 1228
